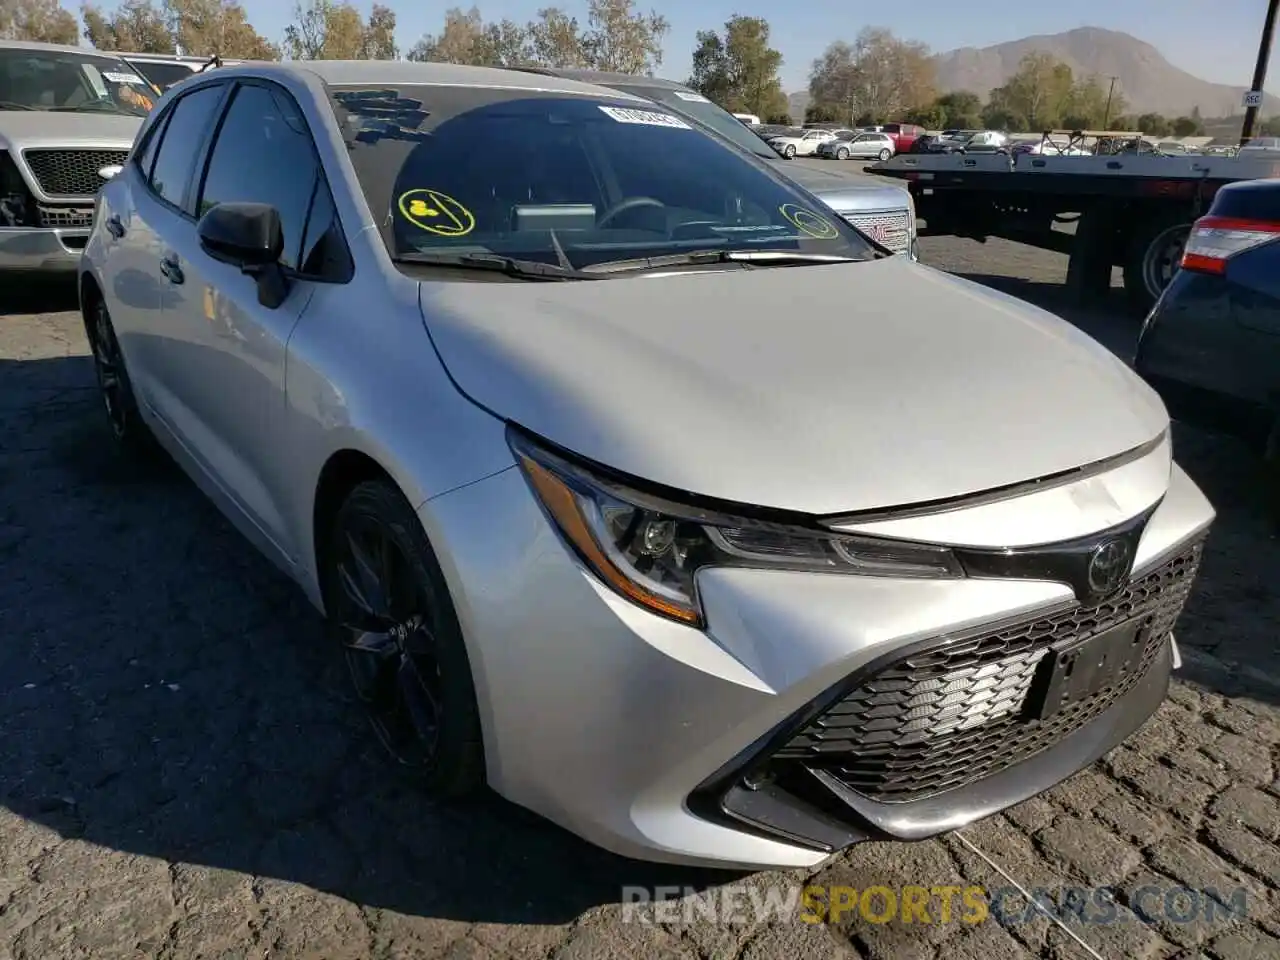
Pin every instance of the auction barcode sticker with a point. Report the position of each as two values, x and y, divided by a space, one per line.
648 118
123 78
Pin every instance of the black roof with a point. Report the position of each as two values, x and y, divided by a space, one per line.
604 78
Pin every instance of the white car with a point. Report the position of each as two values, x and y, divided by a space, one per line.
805 145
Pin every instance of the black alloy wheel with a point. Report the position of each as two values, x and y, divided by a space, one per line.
114 386
390 611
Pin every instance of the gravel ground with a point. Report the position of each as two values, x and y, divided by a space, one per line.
182 774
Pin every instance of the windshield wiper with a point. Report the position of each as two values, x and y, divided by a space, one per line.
10 105
511 266
752 258
92 106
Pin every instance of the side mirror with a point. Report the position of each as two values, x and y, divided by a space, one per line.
242 234
248 236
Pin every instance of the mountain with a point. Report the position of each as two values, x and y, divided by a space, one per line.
1149 82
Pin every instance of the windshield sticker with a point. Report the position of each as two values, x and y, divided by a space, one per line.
436 212
691 97
809 223
125 78
95 81
648 118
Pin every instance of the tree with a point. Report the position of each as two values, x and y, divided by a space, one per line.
1188 127
43 21
208 27
1154 124
960 110
877 76
932 116
740 71
820 113
555 39
1039 92
1092 105
466 38
135 26
621 40
325 30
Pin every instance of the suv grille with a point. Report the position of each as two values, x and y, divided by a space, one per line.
71 173
951 715
889 228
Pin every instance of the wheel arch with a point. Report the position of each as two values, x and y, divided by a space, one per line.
345 470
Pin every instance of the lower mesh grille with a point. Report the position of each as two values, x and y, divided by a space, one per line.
67 217
889 228
954 714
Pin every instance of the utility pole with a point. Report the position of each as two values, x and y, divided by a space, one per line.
1106 114
1260 70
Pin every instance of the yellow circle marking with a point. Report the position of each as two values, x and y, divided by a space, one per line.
436 212
808 222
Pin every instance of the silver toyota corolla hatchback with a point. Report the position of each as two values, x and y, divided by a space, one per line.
632 482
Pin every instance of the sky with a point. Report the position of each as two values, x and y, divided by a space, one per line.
1216 40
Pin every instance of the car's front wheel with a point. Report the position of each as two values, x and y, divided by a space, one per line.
790 151
391 614
114 385
886 153
842 154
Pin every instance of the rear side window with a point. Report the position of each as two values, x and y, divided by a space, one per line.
183 136
147 155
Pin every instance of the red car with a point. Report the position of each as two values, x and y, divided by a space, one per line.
903 135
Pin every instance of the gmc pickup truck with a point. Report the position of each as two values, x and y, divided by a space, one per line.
67 121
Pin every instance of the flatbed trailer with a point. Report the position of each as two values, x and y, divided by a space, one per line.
1131 210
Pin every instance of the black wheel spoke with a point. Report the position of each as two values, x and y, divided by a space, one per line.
419 701
361 583
379 646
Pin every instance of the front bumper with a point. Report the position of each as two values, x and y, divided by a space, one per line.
41 249
644 735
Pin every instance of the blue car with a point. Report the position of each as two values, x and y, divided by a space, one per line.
1211 343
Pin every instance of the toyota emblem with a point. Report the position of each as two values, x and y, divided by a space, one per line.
1108 566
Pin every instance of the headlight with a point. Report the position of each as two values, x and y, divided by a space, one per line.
649 548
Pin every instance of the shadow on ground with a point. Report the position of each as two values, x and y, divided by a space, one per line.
166 692
25 295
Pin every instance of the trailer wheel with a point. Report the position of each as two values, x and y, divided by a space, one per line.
1155 251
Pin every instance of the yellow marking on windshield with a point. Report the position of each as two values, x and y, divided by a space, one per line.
436 212
807 222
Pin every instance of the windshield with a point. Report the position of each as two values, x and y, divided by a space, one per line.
163 75
556 178
699 108
64 81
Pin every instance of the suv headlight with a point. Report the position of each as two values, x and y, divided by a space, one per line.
648 548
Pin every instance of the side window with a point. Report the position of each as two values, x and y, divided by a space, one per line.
183 135
147 155
324 252
263 154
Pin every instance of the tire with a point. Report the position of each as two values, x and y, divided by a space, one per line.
885 154
1152 258
842 154
789 151
128 429
405 654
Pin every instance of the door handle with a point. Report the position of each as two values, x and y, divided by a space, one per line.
169 267
115 226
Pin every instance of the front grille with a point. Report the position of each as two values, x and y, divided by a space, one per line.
71 173
954 714
66 217
889 228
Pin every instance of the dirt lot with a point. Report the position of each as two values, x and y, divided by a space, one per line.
182 774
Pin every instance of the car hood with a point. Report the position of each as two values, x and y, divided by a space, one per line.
845 191
32 128
820 389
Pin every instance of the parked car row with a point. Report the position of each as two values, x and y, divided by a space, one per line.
678 566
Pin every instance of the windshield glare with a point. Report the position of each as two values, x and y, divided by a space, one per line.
62 81
518 173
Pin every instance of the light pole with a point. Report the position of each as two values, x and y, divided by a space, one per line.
1260 70
1106 114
